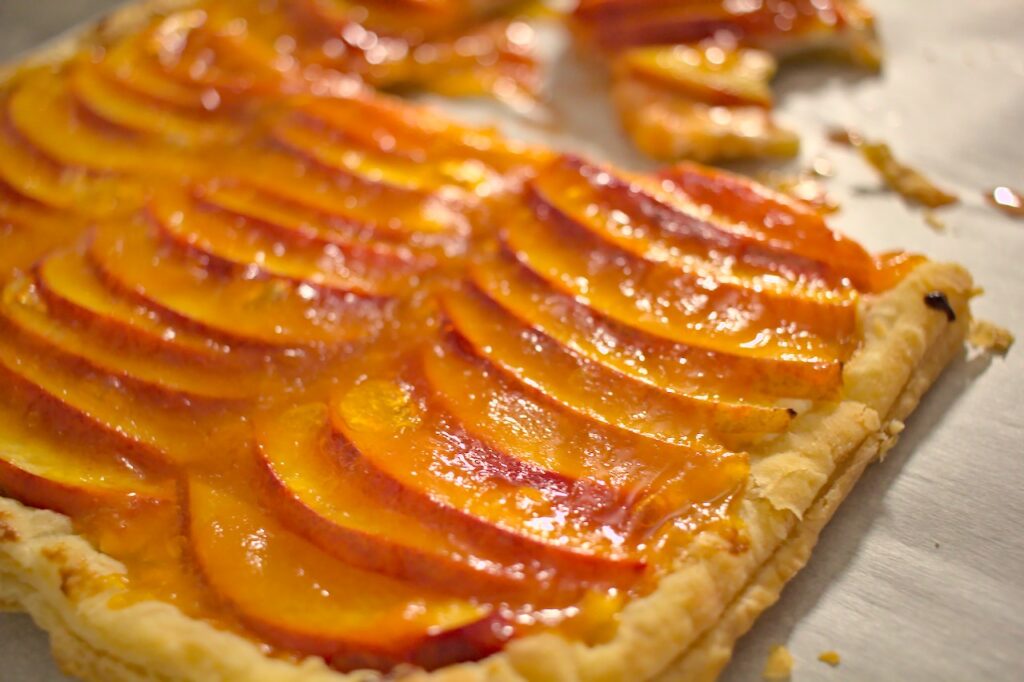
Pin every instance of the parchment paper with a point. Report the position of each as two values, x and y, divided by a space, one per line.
921 574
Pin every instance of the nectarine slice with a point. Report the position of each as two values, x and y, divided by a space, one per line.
45 470
616 24
74 190
209 54
607 472
674 367
391 126
315 492
165 432
131 63
73 290
666 302
300 224
763 216
593 390
271 312
24 308
378 210
334 154
426 464
246 245
42 111
710 73
117 105
626 215
296 596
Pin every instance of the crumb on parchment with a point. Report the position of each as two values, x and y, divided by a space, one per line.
990 337
830 657
903 179
779 665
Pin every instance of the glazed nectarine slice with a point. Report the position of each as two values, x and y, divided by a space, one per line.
25 309
271 312
785 27
593 390
300 224
295 596
42 111
758 214
151 426
672 367
74 291
484 401
47 470
607 473
666 302
426 464
131 63
374 208
428 16
626 215
29 234
668 126
246 245
117 105
74 190
394 127
314 490
708 72
336 155
209 54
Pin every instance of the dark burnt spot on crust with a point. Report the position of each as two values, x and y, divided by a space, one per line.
791 411
937 300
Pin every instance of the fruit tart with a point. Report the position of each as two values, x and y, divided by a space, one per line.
301 381
690 78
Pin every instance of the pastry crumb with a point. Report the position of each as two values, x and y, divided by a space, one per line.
934 221
901 178
779 665
830 657
990 337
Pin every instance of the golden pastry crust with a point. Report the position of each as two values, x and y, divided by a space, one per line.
685 629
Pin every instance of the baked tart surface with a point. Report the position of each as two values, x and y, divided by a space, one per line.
691 78
321 383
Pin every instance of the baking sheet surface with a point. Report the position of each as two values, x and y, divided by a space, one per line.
921 574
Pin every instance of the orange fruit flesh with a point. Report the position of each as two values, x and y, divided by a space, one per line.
589 388
25 309
270 312
669 303
72 288
47 471
677 368
307 482
426 464
282 585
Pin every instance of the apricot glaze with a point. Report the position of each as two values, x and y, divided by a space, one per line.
328 370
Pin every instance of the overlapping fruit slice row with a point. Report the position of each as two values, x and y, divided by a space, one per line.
565 428
691 77
240 47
